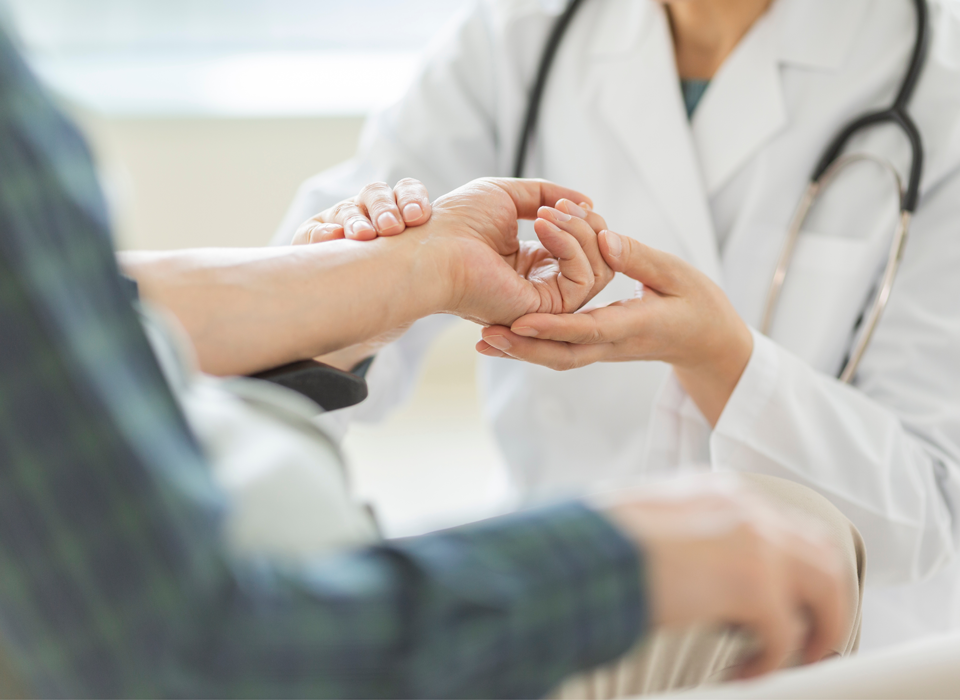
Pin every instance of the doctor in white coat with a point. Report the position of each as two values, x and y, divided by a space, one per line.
718 190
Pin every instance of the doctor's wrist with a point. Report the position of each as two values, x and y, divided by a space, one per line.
711 378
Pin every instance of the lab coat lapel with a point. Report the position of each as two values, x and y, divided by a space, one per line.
744 107
639 98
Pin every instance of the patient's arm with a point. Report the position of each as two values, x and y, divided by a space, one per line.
376 211
247 310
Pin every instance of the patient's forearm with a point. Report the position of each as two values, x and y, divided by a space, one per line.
247 310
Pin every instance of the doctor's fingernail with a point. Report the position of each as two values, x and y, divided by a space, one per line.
498 341
573 209
526 331
558 215
412 212
614 244
359 224
387 222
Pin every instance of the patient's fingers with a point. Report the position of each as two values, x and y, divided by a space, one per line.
413 201
584 226
585 212
818 576
576 278
381 207
529 195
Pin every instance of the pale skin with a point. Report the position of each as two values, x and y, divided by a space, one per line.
248 310
681 317
705 32
715 554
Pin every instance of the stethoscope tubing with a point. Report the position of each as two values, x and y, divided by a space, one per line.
830 163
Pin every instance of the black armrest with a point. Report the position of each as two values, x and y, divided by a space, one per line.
327 386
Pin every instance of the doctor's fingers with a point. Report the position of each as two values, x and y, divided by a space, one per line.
501 342
378 201
653 268
353 217
413 201
576 278
392 210
619 322
314 231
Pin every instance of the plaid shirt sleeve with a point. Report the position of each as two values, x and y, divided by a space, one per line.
114 577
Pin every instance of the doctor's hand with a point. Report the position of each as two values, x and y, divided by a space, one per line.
494 278
679 316
716 554
377 211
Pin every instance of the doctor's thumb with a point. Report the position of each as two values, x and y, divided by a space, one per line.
647 265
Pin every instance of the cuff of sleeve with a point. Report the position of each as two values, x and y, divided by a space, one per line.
571 583
750 398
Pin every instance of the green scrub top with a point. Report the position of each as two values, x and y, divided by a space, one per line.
692 94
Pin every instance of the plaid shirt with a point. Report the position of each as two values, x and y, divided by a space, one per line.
114 576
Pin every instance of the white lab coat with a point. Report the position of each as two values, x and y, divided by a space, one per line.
719 192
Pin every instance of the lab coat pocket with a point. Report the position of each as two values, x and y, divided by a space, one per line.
827 287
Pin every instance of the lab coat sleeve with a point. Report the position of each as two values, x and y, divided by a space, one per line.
787 420
886 451
442 132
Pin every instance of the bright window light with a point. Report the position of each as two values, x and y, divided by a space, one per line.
229 57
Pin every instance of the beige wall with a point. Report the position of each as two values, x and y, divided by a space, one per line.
188 182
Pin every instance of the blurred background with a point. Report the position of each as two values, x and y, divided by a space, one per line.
206 115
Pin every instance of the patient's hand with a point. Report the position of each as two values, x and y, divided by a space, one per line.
376 211
492 276
717 554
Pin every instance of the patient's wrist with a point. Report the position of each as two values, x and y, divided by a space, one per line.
431 263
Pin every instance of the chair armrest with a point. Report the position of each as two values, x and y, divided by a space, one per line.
327 386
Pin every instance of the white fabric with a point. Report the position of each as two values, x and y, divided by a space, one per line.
285 479
923 669
613 125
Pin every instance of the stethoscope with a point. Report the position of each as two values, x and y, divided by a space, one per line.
829 167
